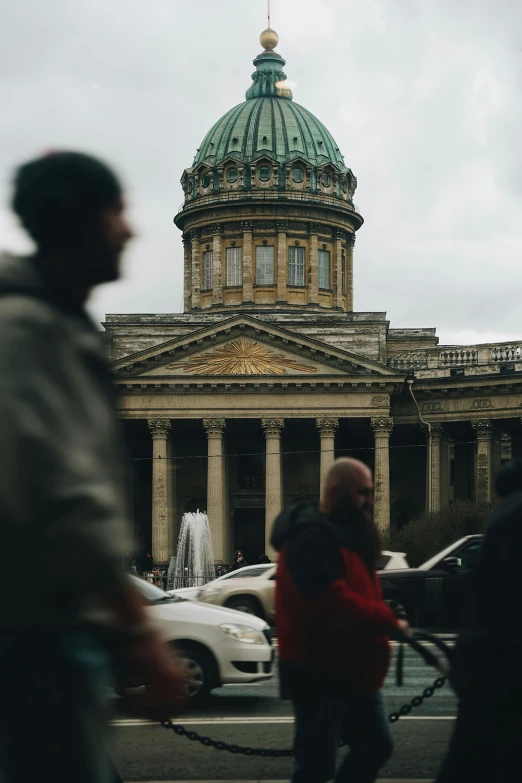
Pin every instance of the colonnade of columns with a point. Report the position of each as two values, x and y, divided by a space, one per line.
163 489
487 460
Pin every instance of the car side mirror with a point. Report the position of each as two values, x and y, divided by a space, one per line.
451 563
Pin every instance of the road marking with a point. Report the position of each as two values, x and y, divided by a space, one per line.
226 721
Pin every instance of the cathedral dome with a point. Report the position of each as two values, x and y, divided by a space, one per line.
269 142
272 126
268 218
269 122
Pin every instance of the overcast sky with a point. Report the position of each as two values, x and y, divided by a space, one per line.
422 96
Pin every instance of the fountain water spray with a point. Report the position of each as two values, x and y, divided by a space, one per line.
195 559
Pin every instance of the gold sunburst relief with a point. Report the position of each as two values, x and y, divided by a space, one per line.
241 357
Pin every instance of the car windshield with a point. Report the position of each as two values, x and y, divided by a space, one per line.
433 561
152 593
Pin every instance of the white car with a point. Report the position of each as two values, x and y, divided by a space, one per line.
191 593
391 561
219 646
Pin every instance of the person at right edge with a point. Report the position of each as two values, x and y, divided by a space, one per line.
486 665
62 488
333 628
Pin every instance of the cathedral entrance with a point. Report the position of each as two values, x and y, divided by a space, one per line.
249 532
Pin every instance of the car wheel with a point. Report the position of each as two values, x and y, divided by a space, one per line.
246 605
399 609
200 669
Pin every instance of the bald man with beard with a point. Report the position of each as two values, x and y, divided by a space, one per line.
333 629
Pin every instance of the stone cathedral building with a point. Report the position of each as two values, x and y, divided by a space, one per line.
239 404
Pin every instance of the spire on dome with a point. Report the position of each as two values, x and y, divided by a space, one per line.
269 38
269 79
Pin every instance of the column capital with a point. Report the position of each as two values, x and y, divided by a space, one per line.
315 228
159 428
327 426
282 225
350 238
483 429
186 239
214 427
194 234
247 225
436 429
382 426
217 228
340 233
273 427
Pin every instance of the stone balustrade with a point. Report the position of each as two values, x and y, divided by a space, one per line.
506 353
448 356
456 357
271 195
409 361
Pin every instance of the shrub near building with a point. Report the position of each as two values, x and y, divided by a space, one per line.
431 532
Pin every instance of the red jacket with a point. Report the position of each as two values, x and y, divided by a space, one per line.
342 631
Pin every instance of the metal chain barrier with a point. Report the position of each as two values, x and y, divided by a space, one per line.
427 693
279 753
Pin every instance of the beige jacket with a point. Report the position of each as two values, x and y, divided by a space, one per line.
62 498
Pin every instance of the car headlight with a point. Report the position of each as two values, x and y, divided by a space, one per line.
243 633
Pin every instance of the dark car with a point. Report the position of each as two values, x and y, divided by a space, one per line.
436 594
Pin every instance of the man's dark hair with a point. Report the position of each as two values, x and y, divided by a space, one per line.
60 196
509 479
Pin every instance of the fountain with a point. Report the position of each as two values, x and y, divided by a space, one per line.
195 558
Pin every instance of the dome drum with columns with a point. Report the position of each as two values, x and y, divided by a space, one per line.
239 405
268 175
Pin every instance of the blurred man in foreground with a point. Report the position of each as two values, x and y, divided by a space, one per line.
62 505
333 628
487 662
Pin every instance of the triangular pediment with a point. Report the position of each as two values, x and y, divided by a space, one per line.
247 348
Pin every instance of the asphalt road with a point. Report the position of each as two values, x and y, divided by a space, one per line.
253 715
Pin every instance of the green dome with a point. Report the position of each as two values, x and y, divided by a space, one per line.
269 124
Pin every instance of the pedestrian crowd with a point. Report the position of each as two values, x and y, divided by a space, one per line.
62 500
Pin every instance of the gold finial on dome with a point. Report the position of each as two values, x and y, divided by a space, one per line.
269 39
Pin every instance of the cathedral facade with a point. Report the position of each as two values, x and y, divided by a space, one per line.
239 405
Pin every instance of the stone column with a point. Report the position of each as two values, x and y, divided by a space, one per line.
218 272
313 291
195 237
187 273
433 468
216 501
496 456
382 428
338 260
350 242
274 478
171 494
248 262
327 428
445 470
483 462
282 276
162 533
